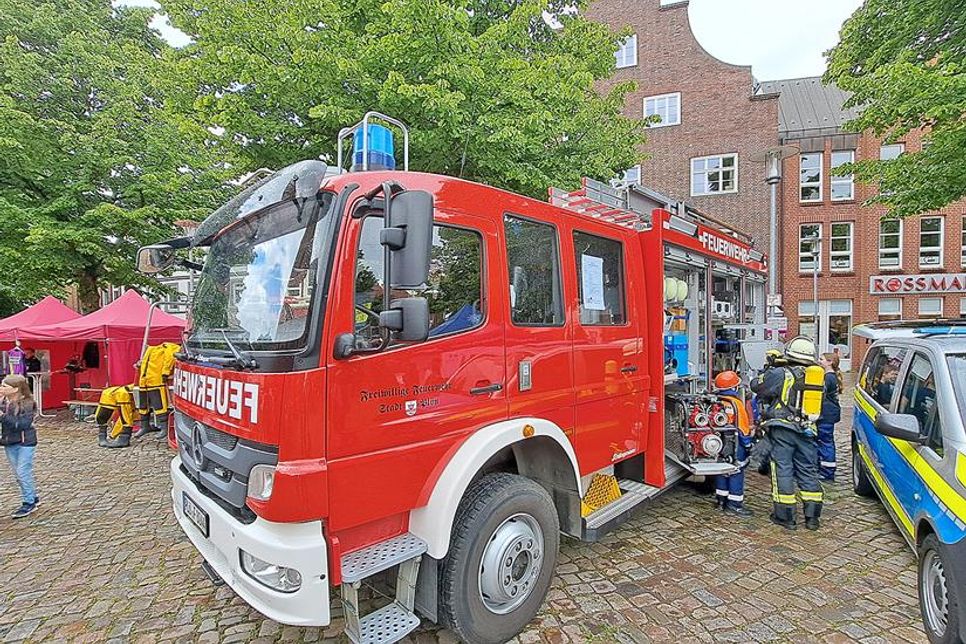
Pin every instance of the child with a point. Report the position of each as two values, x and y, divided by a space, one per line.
831 414
19 438
730 489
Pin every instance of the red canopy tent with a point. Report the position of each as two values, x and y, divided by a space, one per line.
120 325
49 310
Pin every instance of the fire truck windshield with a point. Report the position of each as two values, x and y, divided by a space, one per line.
256 288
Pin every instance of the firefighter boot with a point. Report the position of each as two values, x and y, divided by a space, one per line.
123 439
102 436
145 427
784 515
813 510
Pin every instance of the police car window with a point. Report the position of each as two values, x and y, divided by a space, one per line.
879 379
957 373
918 398
600 280
533 260
453 289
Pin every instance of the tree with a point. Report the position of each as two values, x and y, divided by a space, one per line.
905 63
492 92
92 162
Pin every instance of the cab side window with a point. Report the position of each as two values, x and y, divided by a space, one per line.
918 398
453 290
533 259
600 280
881 371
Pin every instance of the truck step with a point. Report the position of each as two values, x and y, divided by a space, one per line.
633 494
360 564
388 624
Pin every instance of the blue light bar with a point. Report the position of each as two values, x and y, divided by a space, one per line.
381 149
942 330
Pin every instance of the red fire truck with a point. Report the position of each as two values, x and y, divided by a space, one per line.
395 372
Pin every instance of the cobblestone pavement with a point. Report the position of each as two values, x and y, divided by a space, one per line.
104 560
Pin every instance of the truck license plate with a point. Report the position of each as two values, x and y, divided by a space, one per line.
195 514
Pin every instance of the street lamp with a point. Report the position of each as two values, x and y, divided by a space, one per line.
815 251
772 158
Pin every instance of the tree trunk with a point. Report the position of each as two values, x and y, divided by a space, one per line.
87 292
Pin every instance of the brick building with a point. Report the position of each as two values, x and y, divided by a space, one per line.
714 116
859 254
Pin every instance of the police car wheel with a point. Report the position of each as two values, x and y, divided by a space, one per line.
502 554
861 484
938 599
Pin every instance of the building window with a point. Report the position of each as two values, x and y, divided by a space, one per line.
808 236
890 243
931 242
890 308
626 54
962 251
666 106
810 176
843 186
962 307
714 175
840 246
890 152
930 307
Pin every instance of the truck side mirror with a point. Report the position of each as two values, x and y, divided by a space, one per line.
155 258
407 319
409 237
902 426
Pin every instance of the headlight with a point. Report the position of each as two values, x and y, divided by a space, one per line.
261 481
280 578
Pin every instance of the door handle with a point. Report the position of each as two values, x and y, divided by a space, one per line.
629 368
486 389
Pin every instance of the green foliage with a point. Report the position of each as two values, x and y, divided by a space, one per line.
491 92
92 163
905 62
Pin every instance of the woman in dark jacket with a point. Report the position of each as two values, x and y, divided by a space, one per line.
831 414
19 438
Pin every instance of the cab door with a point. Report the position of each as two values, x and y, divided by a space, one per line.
608 350
394 415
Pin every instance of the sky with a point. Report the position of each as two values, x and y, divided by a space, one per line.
778 38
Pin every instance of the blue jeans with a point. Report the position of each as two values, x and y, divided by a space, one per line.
21 460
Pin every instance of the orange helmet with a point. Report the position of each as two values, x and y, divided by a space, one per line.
726 380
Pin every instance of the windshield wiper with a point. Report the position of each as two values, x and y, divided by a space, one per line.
244 363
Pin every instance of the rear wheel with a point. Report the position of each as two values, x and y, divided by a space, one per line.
501 559
861 484
938 599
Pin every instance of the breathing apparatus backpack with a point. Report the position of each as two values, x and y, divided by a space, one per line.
800 401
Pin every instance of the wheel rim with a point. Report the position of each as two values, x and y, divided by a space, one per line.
932 589
511 564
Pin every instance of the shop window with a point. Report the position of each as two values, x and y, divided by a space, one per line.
666 106
843 185
714 175
840 246
533 258
808 236
626 54
810 177
890 308
890 243
931 242
930 307
806 318
600 280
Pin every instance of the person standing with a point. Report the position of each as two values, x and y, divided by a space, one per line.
31 365
831 414
19 438
794 454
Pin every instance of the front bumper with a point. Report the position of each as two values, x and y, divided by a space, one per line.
293 545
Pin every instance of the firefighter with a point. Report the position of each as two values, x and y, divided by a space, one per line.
761 452
154 373
784 393
120 401
730 489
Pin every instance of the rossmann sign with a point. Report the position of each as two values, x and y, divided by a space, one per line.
900 284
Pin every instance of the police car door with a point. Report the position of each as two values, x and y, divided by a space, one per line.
919 397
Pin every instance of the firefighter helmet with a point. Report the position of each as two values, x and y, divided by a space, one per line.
726 380
801 350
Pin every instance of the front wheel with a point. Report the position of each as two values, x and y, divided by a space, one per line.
501 559
938 599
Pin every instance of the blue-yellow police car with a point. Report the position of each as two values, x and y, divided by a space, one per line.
909 448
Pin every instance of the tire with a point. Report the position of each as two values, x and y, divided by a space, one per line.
938 598
861 484
500 514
